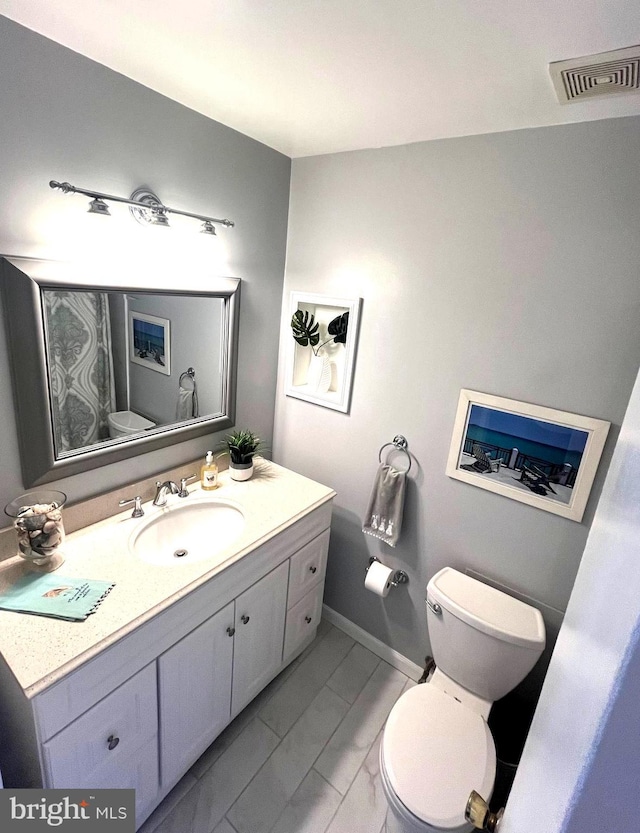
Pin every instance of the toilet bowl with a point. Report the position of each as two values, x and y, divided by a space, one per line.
437 746
430 731
123 423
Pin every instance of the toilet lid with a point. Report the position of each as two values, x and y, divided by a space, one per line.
129 420
435 752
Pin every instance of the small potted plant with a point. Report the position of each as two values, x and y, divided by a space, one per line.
241 447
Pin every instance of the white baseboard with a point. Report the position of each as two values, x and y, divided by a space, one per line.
375 645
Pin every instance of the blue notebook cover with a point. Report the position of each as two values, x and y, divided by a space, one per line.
51 595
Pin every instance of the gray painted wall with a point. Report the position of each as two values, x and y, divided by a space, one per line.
196 337
65 117
506 264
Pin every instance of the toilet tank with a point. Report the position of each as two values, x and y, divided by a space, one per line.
482 638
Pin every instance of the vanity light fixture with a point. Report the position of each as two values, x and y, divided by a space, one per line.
144 206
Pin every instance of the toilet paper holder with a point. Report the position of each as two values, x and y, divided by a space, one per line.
399 577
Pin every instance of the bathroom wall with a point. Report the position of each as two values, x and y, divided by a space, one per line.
65 117
196 341
505 263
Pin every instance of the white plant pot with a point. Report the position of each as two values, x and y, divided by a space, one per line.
240 471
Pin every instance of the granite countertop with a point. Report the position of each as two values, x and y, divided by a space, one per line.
40 650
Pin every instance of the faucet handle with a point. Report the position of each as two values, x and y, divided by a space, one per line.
138 511
183 485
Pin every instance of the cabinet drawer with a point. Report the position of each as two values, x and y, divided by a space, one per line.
302 621
307 568
95 750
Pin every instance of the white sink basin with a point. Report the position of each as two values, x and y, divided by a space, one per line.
194 529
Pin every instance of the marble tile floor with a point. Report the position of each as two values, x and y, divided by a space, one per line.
302 757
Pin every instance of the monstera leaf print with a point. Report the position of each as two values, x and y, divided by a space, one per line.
338 328
305 329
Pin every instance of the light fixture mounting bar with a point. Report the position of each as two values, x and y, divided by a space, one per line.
67 188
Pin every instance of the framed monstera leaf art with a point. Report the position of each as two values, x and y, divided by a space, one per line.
321 339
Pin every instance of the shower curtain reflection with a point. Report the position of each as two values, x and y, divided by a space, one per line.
80 366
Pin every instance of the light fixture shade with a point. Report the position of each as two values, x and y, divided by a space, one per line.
208 228
97 206
159 218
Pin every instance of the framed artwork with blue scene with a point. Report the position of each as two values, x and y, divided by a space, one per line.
150 341
536 455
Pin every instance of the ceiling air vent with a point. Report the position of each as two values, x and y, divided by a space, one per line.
608 73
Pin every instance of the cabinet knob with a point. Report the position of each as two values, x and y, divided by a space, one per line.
308 620
313 569
244 619
231 631
112 741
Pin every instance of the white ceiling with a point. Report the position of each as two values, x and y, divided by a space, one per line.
318 76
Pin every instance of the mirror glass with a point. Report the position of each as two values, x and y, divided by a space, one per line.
122 364
115 371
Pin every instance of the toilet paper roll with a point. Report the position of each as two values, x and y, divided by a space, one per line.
378 579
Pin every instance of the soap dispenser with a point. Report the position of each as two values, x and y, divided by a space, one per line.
209 473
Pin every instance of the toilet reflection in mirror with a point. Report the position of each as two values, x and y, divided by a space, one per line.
126 423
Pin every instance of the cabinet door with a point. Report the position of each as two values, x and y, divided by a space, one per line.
114 744
195 693
260 615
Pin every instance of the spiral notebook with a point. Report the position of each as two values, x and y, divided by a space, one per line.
73 599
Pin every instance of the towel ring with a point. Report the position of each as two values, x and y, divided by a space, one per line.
190 374
400 444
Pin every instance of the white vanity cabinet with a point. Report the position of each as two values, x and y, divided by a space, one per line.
141 710
210 675
194 693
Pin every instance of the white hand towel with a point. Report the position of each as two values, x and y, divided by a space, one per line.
185 406
383 518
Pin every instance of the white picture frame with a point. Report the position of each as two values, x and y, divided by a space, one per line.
150 341
539 456
322 373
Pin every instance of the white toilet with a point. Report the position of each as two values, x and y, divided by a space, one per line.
124 423
437 746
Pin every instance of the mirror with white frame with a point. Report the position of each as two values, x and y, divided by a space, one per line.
104 372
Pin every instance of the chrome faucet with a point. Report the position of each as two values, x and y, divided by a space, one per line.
162 490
